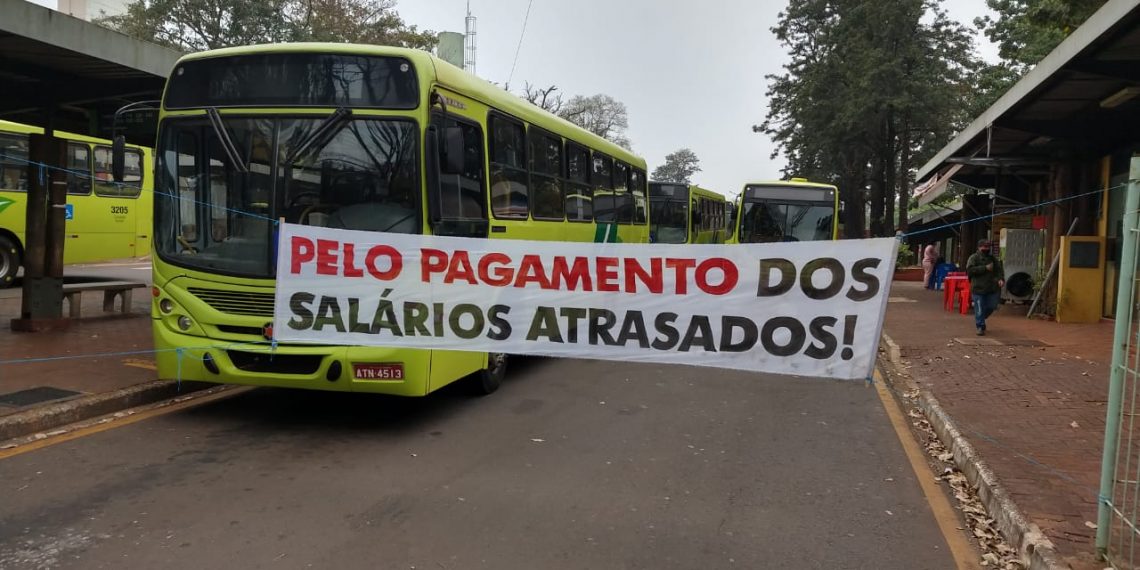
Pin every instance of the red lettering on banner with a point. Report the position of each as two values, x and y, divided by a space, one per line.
431 261
579 273
531 271
303 252
326 256
396 262
653 279
350 268
681 267
502 275
728 282
607 275
460 269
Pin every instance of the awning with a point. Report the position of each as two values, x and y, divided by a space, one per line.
935 186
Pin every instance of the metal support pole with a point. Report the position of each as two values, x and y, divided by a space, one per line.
1116 377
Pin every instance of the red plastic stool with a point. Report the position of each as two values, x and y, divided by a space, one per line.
950 288
964 300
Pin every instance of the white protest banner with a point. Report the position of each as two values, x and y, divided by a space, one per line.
800 308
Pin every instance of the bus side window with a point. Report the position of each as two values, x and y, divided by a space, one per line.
604 199
78 169
13 162
547 202
622 201
637 190
464 196
132 175
509 176
579 196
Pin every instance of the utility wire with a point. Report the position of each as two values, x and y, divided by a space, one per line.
518 48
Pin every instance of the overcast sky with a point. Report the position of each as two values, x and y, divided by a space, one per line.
690 72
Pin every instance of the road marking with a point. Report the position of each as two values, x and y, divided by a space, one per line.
965 557
154 410
138 363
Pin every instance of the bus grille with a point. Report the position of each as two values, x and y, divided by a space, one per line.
275 363
236 302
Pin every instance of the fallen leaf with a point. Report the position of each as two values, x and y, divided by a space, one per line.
1074 424
1090 524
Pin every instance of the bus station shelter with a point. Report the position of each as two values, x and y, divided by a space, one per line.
1052 155
65 74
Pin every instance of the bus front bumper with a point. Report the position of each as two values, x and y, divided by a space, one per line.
194 358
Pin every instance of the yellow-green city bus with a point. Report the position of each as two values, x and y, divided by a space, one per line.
104 220
787 210
683 213
359 137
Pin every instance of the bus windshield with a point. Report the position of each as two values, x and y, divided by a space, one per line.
670 219
212 214
769 221
669 212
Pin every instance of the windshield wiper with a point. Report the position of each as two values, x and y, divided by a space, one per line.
227 143
323 133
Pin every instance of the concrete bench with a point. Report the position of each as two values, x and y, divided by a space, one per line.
73 292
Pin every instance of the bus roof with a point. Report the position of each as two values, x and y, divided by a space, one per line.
451 77
793 182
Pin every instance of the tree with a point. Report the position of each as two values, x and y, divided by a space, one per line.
600 114
872 87
1027 30
679 167
195 25
544 99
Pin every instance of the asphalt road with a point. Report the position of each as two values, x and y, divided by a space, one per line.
572 464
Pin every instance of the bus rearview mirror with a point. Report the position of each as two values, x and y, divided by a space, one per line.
118 158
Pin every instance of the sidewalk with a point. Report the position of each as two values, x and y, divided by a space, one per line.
1030 396
25 385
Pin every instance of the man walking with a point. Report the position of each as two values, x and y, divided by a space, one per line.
986 281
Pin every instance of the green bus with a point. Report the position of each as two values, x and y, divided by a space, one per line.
683 213
104 220
359 137
787 210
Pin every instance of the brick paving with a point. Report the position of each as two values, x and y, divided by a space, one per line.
1032 403
93 334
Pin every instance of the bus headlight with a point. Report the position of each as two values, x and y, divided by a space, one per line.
185 323
166 305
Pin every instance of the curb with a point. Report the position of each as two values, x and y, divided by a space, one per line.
51 416
1036 550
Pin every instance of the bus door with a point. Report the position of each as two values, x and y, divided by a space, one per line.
457 206
98 228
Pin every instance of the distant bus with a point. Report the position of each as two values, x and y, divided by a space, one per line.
104 220
788 210
358 137
681 213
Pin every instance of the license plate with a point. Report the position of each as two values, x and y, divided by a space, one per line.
386 371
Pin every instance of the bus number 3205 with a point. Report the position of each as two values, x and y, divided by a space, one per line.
118 209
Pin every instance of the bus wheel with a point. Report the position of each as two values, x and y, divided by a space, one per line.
9 262
489 379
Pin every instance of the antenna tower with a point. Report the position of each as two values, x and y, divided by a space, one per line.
469 42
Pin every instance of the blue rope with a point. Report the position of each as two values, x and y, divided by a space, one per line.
1021 209
129 353
82 174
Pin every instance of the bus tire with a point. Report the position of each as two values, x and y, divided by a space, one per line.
489 379
9 262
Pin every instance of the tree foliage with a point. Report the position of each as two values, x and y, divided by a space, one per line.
194 25
600 114
680 166
1025 31
872 88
